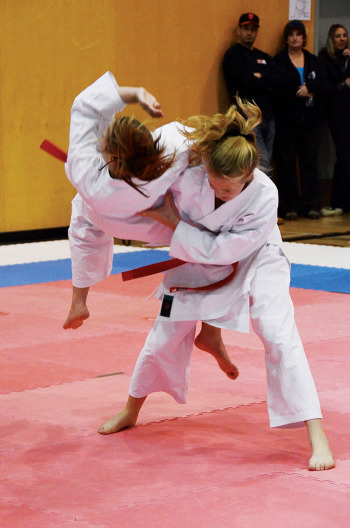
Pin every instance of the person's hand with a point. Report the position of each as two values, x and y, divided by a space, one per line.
149 103
139 95
347 81
257 74
346 52
303 91
167 214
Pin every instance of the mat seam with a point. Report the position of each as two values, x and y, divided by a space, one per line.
201 413
44 510
310 474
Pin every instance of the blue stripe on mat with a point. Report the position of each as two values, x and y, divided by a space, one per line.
303 276
56 270
320 278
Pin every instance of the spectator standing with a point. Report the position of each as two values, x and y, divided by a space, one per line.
300 84
248 73
336 58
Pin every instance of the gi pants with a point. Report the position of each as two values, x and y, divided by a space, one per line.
164 362
91 248
264 135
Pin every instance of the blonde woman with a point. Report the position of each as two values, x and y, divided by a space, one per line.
223 210
336 59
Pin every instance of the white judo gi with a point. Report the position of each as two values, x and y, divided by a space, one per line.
243 229
105 207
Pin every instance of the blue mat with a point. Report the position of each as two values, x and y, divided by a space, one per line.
56 270
320 278
302 276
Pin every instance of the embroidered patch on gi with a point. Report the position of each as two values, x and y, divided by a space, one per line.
166 305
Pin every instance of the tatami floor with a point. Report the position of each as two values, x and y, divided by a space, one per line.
213 462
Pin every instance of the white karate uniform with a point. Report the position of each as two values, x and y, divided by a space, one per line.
105 207
243 229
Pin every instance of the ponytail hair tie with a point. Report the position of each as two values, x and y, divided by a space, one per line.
236 133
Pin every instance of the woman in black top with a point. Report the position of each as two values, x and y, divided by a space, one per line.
336 58
299 89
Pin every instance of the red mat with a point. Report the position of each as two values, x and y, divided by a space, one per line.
213 462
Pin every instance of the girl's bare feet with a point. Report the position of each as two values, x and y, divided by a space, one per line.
76 317
117 423
209 339
124 419
78 312
322 457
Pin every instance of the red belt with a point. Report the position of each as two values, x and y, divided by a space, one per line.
209 287
56 152
151 269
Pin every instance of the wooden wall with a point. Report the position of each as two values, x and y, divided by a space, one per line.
51 50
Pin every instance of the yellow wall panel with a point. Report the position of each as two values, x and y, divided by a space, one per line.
50 51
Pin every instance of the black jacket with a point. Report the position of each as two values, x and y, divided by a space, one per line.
288 107
338 69
239 65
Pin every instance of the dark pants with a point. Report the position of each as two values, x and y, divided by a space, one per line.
339 125
292 140
265 133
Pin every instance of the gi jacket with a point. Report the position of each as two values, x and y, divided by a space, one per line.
210 240
111 204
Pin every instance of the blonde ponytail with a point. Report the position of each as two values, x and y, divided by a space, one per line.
226 142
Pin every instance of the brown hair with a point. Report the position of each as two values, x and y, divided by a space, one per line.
296 25
226 142
136 153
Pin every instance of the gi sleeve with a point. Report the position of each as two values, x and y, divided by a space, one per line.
91 113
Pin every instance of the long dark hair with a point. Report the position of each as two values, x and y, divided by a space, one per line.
135 152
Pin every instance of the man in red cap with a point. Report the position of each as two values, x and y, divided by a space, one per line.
249 73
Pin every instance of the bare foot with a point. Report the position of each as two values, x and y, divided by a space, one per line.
322 457
211 341
117 423
124 419
76 317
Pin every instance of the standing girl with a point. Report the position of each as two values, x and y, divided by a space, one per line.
225 211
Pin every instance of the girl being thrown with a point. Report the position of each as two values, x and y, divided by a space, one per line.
224 210
130 169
